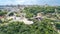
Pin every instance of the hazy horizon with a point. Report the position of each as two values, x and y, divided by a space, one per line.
29 2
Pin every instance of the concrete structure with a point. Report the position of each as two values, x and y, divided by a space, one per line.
38 17
20 19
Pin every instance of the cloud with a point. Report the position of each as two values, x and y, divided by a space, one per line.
19 2
26 1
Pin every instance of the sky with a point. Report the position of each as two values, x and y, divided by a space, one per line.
29 2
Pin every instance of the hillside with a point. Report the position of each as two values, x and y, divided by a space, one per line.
40 20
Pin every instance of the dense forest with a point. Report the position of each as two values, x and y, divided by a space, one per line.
44 26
